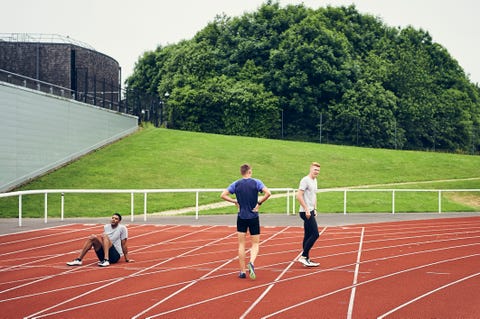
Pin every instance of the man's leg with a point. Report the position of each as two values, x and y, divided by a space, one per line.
306 234
313 235
241 251
255 248
92 241
106 243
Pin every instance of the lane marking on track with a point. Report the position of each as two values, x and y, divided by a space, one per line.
427 294
366 282
244 290
265 292
174 310
35 248
284 281
376 248
77 269
355 276
192 282
47 277
39 314
438 273
37 280
67 231
36 230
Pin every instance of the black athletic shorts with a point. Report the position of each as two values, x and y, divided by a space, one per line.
113 255
253 225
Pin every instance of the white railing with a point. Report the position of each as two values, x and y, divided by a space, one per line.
132 192
393 191
286 192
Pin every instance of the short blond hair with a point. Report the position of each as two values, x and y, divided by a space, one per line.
316 164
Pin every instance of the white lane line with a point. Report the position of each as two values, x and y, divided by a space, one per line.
284 281
58 231
192 282
265 292
36 247
37 314
427 294
197 267
47 277
438 273
366 282
187 306
431 241
126 296
296 277
76 269
35 230
355 277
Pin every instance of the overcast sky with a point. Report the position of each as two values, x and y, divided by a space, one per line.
124 30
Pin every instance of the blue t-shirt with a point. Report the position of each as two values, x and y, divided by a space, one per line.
246 190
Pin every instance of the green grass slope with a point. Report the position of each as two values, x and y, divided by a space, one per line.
159 158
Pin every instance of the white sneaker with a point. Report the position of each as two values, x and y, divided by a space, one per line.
307 262
76 262
104 263
303 260
312 264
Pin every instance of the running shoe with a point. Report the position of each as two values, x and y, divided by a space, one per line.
307 262
104 263
303 260
242 275
251 270
75 262
312 264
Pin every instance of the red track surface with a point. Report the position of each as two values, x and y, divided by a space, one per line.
416 269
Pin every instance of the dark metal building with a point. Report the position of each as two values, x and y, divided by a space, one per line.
65 62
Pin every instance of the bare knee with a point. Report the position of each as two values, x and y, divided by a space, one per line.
94 241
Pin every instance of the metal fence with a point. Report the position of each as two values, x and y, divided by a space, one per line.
147 107
288 193
132 192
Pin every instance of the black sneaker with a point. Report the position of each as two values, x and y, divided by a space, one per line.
242 275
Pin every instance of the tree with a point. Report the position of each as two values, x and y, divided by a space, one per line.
366 117
372 85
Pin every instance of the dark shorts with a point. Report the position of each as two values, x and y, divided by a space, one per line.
253 225
113 255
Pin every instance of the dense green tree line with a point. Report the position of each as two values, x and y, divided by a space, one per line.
332 75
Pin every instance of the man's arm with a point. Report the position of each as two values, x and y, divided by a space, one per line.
266 194
302 202
226 196
125 250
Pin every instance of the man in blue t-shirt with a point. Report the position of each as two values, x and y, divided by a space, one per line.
246 192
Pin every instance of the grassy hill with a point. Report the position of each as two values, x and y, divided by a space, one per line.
161 158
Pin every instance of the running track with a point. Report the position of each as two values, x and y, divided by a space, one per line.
413 269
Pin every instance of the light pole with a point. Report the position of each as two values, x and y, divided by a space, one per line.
166 95
320 128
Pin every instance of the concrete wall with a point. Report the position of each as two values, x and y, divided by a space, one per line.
39 132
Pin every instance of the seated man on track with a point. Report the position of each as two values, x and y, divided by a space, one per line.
109 246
